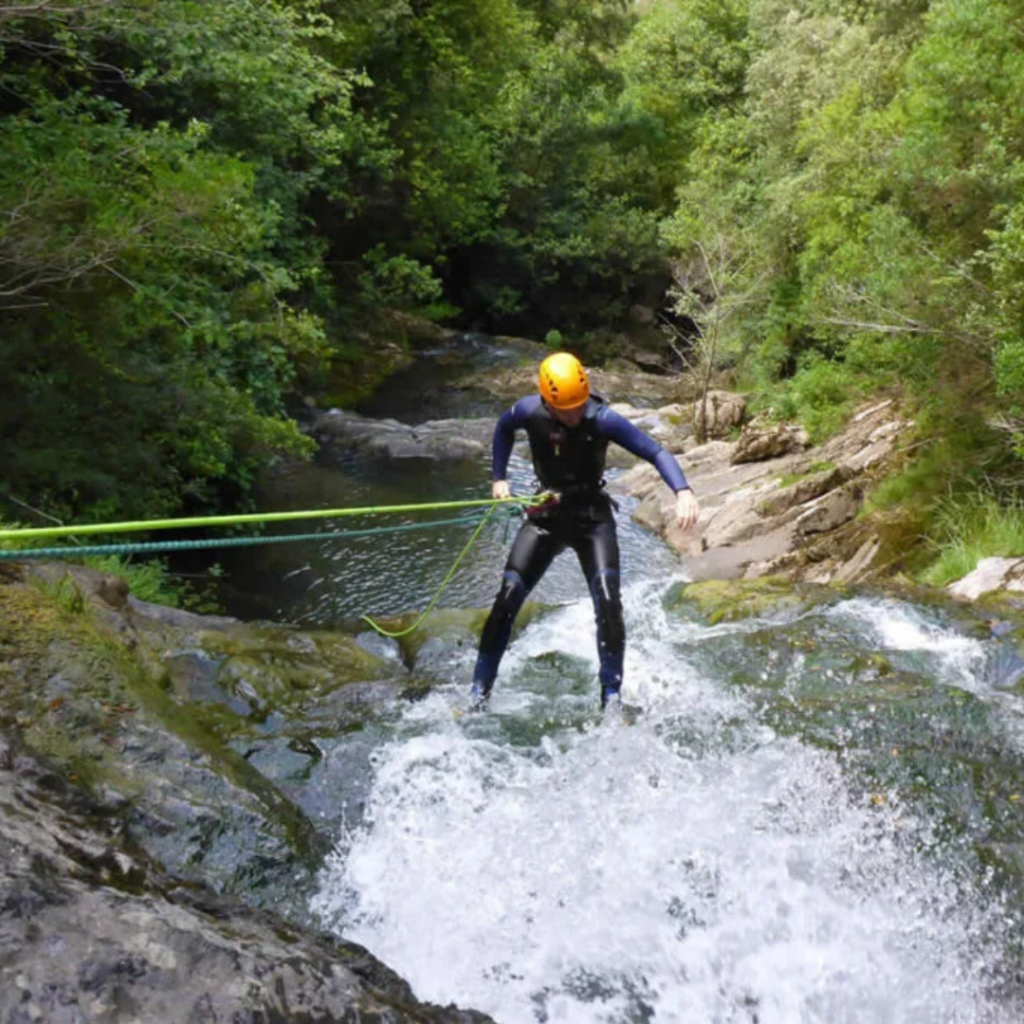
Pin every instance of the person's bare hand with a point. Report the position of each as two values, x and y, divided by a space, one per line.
500 490
687 509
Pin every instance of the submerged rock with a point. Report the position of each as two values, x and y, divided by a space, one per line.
445 634
440 440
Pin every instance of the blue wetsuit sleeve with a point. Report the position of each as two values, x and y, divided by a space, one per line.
618 429
505 434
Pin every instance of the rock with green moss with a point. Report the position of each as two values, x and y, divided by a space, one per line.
229 747
195 730
445 636
269 669
714 601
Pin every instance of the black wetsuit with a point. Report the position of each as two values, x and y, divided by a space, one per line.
569 461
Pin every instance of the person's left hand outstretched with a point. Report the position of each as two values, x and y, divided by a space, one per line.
687 509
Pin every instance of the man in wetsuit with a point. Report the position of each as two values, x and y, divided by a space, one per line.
569 430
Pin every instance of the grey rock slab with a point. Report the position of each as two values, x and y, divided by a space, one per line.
92 930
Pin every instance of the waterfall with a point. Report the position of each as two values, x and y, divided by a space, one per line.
712 862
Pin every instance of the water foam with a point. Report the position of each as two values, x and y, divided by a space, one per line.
613 874
896 626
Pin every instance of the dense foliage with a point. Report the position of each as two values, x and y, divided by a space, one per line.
203 205
867 191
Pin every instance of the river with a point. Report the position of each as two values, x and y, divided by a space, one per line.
721 860
814 819
333 581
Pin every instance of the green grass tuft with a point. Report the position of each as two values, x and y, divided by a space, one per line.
970 528
149 580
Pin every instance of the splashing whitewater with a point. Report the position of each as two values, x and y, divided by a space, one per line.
541 865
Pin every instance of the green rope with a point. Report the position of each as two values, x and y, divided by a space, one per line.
139 526
440 589
157 547
491 505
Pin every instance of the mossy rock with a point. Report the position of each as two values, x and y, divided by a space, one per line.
716 601
85 691
455 624
276 667
64 681
1005 605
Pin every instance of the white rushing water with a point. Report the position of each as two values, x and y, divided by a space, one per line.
540 865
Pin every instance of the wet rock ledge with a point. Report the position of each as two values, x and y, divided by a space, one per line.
147 767
91 929
772 505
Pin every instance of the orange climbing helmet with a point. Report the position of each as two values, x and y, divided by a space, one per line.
563 381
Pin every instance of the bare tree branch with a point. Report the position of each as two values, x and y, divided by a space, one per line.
31 508
884 320
11 11
709 291
44 15
38 278
880 328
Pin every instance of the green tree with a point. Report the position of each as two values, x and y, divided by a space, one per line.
148 337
